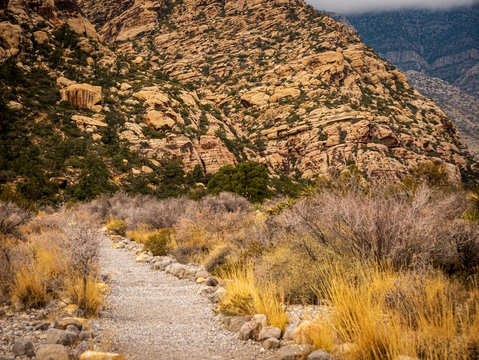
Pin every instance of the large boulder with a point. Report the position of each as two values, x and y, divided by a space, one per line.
269 332
320 355
158 120
82 95
23 347
12 40
249 330
234 323
295 352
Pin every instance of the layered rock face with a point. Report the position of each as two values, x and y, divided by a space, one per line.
218 82
82 95
307 94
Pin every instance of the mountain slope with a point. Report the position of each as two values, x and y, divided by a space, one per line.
441 43
305 89
182 88
461 107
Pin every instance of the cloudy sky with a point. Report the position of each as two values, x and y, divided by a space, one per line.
355 6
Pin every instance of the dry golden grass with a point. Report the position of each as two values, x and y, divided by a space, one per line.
246 296
386 314
37 278
86 294
55 257
159 242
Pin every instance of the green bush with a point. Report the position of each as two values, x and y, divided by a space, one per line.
117 227
249 179
158 242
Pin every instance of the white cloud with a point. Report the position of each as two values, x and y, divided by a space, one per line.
355 6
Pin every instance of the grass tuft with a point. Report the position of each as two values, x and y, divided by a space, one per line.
246 296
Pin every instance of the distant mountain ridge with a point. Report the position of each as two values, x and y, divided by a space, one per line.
441 43
461 107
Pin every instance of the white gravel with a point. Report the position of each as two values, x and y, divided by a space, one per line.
152 315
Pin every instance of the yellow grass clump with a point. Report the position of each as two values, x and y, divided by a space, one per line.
159 242
86 293
247 296
386 314
38 278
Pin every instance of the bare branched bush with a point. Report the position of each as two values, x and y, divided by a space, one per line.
225 202
98 208
407 230
11 217
140 211
82 245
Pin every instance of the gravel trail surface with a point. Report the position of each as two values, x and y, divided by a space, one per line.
152 315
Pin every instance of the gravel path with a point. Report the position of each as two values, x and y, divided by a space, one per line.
152 315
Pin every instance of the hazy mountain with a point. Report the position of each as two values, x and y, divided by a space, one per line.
461 107
441 43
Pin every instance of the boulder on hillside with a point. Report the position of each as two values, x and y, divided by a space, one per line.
82 95
158 120
12 40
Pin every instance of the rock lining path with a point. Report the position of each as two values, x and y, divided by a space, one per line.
152 315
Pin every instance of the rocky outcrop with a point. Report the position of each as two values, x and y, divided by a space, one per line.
158 120
136 18
12 40
315 101
82 95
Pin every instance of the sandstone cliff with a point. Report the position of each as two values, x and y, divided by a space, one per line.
306 92
181 88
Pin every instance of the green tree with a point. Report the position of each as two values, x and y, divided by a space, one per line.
93 180
171 179
249 179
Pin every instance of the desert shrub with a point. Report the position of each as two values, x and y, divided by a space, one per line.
6 245
140 211
117 226
99 208
202 231
158 242
225 202
218 257
430 173
7 195
82 245
406 228
55 249
472 213
11 217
